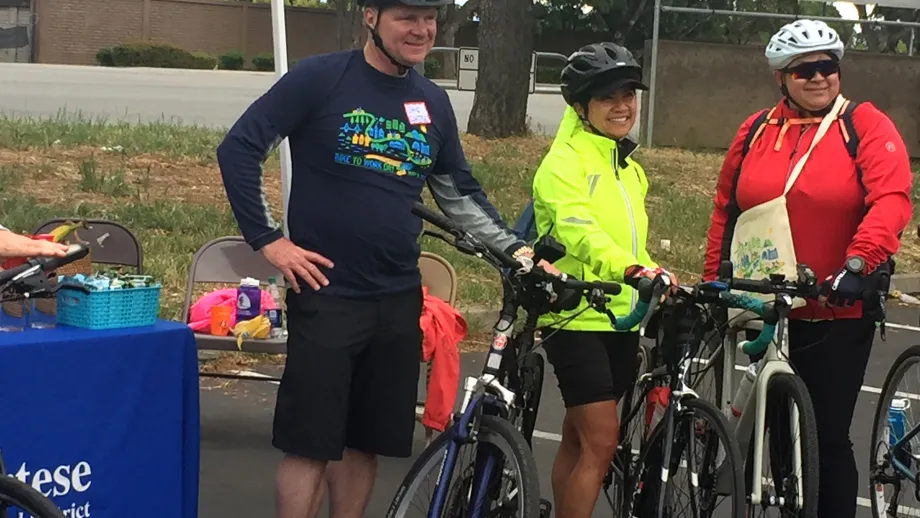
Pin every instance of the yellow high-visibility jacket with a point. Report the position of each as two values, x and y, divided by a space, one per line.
589 195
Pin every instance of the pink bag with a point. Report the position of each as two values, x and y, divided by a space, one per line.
200 312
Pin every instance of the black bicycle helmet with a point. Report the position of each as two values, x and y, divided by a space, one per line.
383 4
598 69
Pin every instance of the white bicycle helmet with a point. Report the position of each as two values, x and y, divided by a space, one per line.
802 37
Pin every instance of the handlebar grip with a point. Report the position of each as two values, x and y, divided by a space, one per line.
435 219
760 286
447 225
76 252
610 288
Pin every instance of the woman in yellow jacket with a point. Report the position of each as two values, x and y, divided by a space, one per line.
589 194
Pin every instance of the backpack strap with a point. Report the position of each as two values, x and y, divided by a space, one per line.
851 138
757 127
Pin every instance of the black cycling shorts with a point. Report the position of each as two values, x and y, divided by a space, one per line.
351 376
592 366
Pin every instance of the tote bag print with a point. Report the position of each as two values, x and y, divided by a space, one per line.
762 242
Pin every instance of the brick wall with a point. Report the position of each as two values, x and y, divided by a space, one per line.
70 33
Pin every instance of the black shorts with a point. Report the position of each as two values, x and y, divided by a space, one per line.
351 376
592 366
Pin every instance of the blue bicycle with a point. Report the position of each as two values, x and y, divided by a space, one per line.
496 419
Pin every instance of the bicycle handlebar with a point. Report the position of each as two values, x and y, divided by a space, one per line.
805 286
42 264
594 291
454 229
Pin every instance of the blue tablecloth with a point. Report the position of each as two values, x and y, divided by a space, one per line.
104 422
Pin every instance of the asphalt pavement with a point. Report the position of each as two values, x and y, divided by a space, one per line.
213 98
238 461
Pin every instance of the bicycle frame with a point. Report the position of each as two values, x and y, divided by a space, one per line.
481 393
753 416
897 464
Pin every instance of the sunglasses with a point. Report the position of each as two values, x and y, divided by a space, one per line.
808 71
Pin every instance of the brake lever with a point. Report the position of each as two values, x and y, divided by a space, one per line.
659 286
69 285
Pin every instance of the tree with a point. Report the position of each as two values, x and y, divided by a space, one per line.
350 17
629 22
503 85
885 38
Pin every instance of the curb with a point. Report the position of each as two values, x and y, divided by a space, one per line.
906 282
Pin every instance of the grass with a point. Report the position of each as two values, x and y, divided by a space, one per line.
163 183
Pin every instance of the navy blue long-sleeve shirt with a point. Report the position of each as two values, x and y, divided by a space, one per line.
363 144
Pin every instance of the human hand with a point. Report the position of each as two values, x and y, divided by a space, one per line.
549 268
842 289
546 265
17 245
295 262
636 271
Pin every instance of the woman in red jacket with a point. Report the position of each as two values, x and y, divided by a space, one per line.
844 217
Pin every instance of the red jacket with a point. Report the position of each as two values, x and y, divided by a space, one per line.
443 328
832 214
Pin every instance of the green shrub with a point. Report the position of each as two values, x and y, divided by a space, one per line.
432 67
156 55
233 60
264 62
549 74
104 57
203 60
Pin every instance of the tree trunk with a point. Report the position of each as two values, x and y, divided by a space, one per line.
351 30
503 85
454 17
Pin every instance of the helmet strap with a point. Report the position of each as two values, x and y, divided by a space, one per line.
591 127
401 68
795 105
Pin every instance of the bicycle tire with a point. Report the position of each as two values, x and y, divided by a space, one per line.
24 497
795 389
494 430
735 466
912 355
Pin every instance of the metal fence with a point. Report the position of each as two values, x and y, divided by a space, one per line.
420 68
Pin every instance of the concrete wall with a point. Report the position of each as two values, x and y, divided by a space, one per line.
705 91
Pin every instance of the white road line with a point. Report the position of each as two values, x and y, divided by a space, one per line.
902 326
863 502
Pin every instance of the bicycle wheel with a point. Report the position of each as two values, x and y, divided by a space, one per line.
899 421
515 492
704 470
781 487
21 496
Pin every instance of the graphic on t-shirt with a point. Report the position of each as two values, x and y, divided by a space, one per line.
383 144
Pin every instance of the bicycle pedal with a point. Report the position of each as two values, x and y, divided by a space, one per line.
546 508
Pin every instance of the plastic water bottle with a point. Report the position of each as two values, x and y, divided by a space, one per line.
275 316
897 422
656 404
248 299
743 393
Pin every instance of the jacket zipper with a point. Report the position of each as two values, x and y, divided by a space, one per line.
632 219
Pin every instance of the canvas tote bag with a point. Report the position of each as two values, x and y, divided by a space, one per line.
762 242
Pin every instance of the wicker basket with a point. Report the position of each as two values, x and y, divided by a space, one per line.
48 306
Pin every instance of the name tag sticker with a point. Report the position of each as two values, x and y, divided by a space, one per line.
417 112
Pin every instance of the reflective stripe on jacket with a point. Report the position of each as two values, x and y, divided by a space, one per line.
589 195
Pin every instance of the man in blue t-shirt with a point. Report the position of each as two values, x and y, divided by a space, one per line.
367 132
